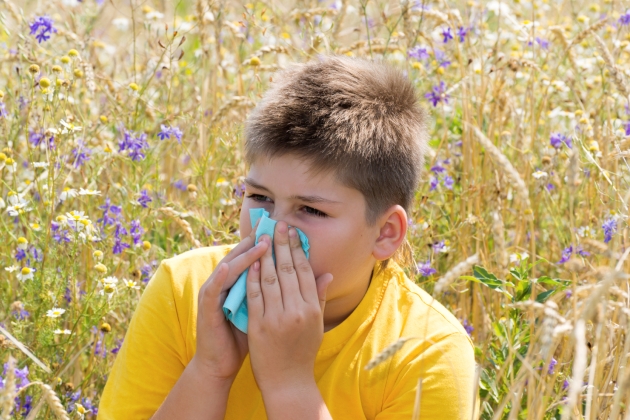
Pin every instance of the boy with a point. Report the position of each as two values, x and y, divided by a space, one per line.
335 149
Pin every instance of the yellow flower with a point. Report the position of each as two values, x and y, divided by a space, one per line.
146 245
22 242
98 255
100 268
73 53
44 82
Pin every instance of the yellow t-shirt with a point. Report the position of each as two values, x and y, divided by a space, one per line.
161 341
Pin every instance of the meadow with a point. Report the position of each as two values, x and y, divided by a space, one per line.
121 145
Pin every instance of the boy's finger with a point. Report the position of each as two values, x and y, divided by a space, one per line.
210 298
323 282
289 285
243 246
255 301
241 262
303 269
269 281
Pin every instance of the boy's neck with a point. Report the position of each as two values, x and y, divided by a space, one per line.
338 309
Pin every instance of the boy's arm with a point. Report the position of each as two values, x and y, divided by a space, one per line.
296 401
196 395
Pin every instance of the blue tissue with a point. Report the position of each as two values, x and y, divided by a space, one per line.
235 306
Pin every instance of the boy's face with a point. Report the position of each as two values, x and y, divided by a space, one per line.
330 214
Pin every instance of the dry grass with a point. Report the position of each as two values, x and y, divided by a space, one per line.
523 213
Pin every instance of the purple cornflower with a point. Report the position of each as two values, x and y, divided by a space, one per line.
81 154
43 24
147 270
566 254
136 231
35 137
439 246
568 294
558 139
624 20
610 227
437 94
144 198
446 33
437 169
119 245
107 208
3 111
168 131
550 187
552 366
20 255
67 296
441 58
239 191
21 376
627 127
461 33
425 269
434 183
418 52
116 348
180 185
544 44
565 385
468 327
449 182
134 144
21 314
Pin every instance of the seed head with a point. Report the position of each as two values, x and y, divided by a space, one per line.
73 53
44 82
56 69
65 59
33 69
254 61
146 245
100 267
78 73
105 327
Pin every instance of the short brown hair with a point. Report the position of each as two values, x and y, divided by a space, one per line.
358 118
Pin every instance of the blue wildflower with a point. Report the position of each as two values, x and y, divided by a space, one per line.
544 44
461 33
437 94
566 254
446 33
167 131
144 198
558 139
627 127
449 182
468 327
624 20
425 269
418 52
81 154
441 58
434 183
136 231
610 227
134 144
42 28
239 191
552 366
3 111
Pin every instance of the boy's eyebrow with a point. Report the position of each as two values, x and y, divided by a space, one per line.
313 199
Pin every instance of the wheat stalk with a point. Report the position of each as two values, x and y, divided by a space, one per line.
51 399
387 353
175 216
235 102
503 162
610 64
8 393
498 233
267 49
454 273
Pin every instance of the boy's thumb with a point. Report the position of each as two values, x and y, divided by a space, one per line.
322 283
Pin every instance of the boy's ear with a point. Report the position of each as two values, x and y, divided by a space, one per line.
393 229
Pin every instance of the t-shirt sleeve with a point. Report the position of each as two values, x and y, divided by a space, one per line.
447 369
151 358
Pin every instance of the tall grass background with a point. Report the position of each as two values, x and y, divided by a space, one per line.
121 137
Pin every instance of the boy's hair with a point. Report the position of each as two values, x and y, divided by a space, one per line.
358 118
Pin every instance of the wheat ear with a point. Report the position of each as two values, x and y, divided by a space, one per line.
235 102
610 64
8 393
387 353
175 216
507 167
454 273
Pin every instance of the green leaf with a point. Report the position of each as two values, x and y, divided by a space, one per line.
542 297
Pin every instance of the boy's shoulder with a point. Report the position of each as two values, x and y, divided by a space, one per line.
421 310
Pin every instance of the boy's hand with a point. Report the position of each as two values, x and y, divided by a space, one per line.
286 306
221 347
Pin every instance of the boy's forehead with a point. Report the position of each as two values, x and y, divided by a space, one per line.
288 172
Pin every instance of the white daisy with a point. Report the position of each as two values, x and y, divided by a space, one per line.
11 268
26 273
68 193
40 164
539 174
69 127
22 243
55 312
130 284
88 192
66 332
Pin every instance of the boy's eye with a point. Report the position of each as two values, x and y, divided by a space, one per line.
259 197
314 212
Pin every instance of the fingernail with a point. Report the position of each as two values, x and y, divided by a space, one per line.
256 266
292 232
282 228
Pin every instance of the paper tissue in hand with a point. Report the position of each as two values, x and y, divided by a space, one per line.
235 306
